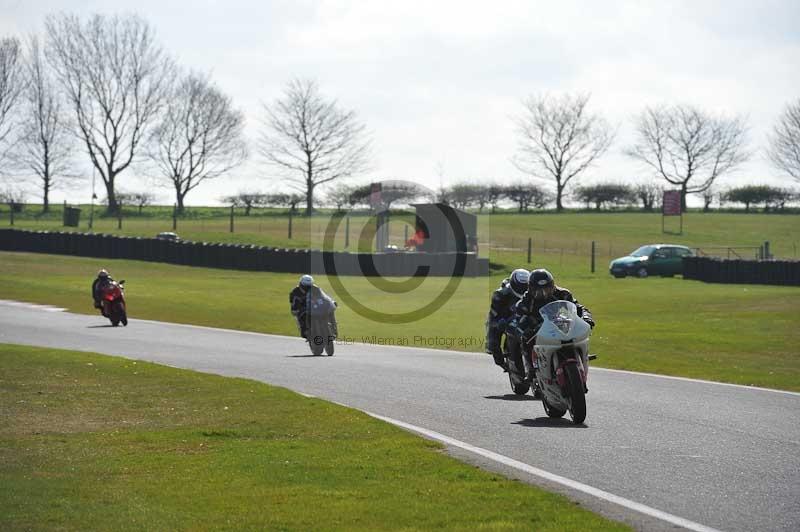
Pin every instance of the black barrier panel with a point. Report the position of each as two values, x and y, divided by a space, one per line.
71 243
248 257
195 252
130 250
717 270
86 245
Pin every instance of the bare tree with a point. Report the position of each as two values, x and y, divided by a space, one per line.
560 138
310 140
709 195
608 193
115 77
248 200
494 194
526 196
461 195
688 147
46 145
339 195
12 85
140 199
14 196
784 149
199 136
284 199
649 194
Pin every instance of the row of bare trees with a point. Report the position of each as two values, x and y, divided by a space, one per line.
104 86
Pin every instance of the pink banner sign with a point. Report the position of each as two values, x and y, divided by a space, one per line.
672 203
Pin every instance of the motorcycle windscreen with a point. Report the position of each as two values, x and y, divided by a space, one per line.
561 313
320 306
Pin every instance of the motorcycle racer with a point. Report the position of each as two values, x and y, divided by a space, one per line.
542 290
298 300
502 310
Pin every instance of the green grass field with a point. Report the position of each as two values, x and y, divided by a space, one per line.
615 233
166 454
90 442
745 334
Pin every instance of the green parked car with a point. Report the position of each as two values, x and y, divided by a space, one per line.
654 259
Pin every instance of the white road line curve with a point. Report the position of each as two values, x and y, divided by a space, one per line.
35 306
572 484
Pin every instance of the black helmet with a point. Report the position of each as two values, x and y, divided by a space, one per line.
518 280
541 283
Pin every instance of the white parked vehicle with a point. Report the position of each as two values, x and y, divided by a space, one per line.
561 358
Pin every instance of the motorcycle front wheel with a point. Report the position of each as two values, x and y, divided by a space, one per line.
577 409
550 410
120 314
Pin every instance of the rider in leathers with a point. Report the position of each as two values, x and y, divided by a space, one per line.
102 280
501 312
298 299
527 320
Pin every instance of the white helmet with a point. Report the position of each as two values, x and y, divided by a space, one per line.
306 281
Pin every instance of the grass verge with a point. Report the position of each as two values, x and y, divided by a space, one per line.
91 442
615 233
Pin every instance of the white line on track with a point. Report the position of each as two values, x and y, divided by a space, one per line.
572 484
46 308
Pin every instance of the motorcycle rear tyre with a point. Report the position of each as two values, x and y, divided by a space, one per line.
577 409
329 348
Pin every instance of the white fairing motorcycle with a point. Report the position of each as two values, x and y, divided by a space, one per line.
561 358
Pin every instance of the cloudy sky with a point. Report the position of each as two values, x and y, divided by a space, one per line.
437 83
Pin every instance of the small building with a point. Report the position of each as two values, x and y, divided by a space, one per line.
441 228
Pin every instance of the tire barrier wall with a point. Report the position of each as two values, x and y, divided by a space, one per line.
716 270
243 256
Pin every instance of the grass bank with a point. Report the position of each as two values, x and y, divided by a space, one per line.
90 442
743 334
615 233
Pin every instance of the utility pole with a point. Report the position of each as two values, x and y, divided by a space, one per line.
94 197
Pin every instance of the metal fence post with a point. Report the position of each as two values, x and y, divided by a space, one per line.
347 232
174 216
530 245
290 224
767 255
593 250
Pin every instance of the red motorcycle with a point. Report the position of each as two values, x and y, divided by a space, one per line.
112 303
